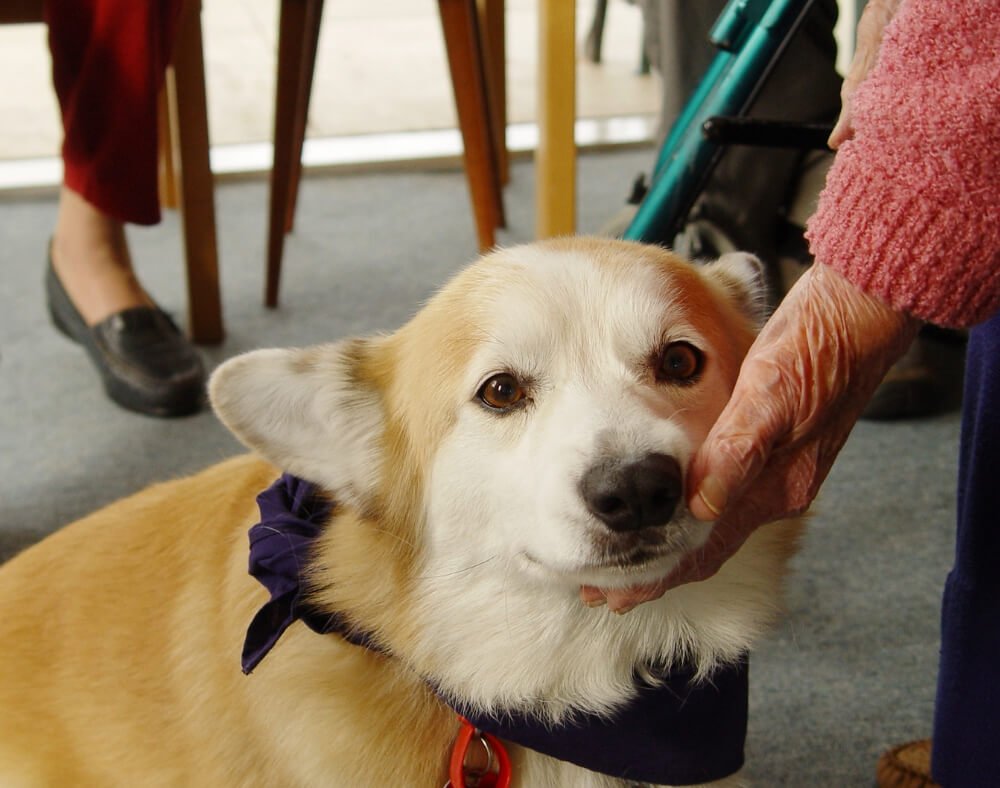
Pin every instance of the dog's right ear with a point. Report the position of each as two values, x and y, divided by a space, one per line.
307 411
741 275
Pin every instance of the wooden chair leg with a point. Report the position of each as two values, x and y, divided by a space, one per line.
294 37
314 16
167 167
494 27
185 86
460 23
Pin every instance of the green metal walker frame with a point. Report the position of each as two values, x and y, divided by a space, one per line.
750 36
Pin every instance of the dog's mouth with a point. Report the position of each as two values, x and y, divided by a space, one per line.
611 569
614 559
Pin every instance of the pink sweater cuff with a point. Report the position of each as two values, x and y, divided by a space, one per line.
905 245
911 208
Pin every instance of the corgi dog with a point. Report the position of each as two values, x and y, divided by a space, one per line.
415 573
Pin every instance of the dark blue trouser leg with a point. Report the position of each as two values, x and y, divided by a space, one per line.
967 714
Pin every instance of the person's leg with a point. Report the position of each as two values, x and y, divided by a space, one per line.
108 64
91 258
967 712
109 58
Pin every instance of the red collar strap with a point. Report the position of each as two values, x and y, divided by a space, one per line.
489 768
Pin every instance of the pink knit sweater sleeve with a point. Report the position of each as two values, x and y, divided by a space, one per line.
911 208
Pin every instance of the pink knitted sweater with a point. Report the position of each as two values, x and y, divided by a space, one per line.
911 208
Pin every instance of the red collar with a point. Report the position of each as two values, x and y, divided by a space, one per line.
490 768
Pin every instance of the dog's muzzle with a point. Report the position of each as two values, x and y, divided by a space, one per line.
631 496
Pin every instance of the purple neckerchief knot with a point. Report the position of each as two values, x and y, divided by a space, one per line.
674 731
292 515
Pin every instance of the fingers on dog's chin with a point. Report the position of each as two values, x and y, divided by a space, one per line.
622 600
619 600
592 596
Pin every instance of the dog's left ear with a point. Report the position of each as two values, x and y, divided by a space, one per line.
307 411
741 276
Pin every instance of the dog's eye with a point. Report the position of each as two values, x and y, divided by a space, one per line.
501 391
680 362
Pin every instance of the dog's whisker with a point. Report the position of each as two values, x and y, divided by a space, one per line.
460 571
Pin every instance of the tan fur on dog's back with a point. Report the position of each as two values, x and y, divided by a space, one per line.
149 599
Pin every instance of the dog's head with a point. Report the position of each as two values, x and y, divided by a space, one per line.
539 412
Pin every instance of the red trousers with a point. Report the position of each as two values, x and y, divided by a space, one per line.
108 63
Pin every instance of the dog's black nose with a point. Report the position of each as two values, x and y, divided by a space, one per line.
633 496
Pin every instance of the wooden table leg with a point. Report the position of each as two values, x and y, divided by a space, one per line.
555 159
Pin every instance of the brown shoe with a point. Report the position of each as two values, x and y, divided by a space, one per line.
906 766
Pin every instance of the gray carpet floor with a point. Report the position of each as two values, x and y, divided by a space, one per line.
849 672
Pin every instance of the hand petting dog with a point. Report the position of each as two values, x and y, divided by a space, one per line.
801 389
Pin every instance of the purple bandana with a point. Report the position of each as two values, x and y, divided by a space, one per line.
673 732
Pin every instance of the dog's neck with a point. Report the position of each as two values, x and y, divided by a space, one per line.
669 729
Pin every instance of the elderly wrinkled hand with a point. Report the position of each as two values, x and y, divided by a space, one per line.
801 389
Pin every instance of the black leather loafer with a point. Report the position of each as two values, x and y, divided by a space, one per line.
146 363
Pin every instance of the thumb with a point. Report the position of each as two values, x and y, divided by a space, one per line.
843 131
733 454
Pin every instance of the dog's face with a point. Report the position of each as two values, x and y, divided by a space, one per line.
539 412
